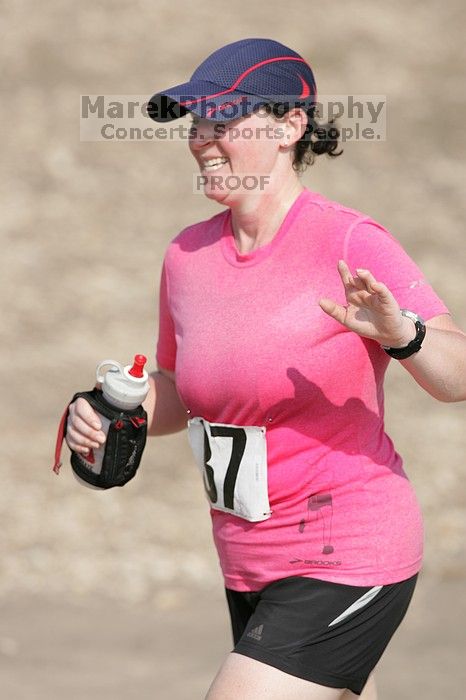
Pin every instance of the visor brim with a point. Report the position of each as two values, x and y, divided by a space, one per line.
205 100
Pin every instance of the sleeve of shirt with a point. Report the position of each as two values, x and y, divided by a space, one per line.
166 344
369 245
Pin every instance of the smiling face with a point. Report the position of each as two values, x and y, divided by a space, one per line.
254 146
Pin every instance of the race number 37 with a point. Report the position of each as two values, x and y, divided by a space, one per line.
233 463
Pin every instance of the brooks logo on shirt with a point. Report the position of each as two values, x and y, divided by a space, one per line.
256 633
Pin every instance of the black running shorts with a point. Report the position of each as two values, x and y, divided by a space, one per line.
328 633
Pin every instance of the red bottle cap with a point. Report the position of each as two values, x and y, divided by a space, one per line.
137 370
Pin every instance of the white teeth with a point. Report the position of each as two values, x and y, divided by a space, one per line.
214 163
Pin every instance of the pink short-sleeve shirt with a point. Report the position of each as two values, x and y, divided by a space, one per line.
252 347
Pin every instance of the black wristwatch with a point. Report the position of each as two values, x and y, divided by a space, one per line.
415 344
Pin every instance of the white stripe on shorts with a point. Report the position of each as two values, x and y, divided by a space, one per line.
359 603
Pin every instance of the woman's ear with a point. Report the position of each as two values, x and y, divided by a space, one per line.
295 123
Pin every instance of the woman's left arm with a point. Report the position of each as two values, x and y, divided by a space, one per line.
440 365
373 312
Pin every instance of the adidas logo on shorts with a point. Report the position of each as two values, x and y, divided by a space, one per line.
256 633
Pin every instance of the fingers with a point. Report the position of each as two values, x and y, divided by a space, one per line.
337 311
367 279
352 283
83 427
364 280
83 410
372 286
345 273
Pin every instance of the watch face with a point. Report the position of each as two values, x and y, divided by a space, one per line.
412 315
415 344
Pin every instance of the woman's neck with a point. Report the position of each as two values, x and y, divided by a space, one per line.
256 219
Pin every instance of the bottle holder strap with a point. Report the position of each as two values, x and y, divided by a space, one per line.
59 443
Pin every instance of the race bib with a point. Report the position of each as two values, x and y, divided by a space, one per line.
233 463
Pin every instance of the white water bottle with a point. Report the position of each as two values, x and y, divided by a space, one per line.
124 388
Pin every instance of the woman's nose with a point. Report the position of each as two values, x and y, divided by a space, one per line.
201 133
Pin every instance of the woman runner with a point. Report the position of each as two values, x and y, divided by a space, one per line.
278 318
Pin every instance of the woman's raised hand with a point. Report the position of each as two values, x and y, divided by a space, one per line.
372 311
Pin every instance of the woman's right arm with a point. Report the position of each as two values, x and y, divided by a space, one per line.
165 414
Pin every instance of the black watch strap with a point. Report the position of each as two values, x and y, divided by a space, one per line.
415 344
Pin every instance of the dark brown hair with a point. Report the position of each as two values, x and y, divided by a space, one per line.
316 140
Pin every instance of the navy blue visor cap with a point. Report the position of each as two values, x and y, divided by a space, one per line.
236 80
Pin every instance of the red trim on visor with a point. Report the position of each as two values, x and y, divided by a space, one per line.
306 89
305 93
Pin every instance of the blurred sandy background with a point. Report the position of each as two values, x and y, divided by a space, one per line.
118 594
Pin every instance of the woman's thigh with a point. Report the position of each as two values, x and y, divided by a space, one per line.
243 678
369 692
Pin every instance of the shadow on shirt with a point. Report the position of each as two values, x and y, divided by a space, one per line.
351 428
